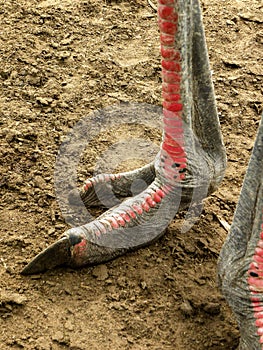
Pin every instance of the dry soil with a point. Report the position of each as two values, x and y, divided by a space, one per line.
59 61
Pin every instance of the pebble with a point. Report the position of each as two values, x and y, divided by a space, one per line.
212 308
39 182
13 298
143 285
58 336
45 101
43 344
186 308
100 272
69 325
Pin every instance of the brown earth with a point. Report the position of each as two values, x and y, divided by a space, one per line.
60 60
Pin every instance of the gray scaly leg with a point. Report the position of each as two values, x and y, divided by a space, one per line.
240 266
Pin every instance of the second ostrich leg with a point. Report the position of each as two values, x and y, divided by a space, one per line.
189 165
241 259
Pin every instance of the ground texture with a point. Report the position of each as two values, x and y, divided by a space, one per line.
59 61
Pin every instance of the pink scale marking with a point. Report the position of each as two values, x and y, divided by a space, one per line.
87 185
167 40
145 206
174 151
171 78
160 193
113 222
172 123
256 265
176 147
173 106
173 133
137 208
125 217
80 248
131 213
150 201
171 97
258 314
167 13
170 53
156 198
170 88
253 265
171 66
258 308
259 251
120 220
259 322
167 27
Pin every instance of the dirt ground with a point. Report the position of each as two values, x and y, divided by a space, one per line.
59 61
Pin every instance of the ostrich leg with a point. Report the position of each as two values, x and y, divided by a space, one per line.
240 264
189 165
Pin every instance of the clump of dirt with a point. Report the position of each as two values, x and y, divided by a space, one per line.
60 61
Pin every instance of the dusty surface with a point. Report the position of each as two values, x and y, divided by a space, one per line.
59 61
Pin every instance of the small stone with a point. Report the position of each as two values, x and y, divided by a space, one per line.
45 101
92 83
100 272
212 308
12 135
66 41
58 336
69 325
109 281
7 299
63 55
122 282
51 231
15 181
39 181
229 22
186 308
43 344
14 74
143 285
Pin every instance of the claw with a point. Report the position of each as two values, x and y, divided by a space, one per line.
56 254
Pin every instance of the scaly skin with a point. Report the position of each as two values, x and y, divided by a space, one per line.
189 166
108 189
240 266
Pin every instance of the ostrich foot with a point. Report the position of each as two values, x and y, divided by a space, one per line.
189 166
240 266
137 221
134 223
